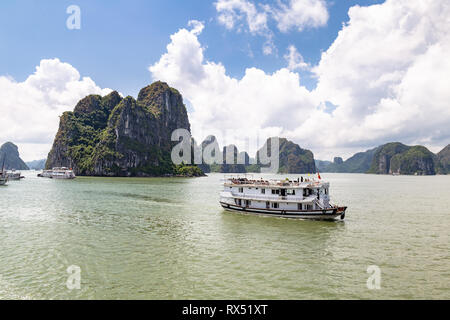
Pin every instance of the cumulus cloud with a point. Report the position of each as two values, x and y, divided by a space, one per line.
244 15
222 104
232 12
295 59
197 26
386 74
300 14
30 109
294 14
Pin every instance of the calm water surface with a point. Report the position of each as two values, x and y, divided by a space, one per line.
168 238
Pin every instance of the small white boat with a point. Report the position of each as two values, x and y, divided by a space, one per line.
58 173
302 199
13 175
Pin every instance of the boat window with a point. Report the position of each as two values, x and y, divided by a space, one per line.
291 192
241 190
309 207
267 204
263 191
299 206
275 205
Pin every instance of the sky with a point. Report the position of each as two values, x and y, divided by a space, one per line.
336 77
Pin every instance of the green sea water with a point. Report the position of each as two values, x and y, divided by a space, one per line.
168 238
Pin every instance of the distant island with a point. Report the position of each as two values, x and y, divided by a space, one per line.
292 158
9 153
115 136
392 158
36 164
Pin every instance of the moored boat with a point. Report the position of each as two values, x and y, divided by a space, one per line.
58 173
302 198
13 175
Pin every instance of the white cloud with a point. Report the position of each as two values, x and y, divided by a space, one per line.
30 109
197 26
386 73
295 59
258 101
243 14
232 12
300 14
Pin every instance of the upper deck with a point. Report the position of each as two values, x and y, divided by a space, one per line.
276 184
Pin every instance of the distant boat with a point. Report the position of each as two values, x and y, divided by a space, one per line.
13 175
58 173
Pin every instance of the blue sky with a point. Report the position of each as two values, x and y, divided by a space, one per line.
119 39
335 76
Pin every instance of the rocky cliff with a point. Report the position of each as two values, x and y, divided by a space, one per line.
416 160
398 158
111 136
292 158
9 153
443 161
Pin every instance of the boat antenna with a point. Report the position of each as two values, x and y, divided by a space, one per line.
3 165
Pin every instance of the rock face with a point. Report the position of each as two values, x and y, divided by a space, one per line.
398 158
381 162
10 154
292 158
443 161
111 136
229 155
232 159
416 160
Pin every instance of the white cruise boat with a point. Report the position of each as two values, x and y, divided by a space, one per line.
58 173
303 198
14 175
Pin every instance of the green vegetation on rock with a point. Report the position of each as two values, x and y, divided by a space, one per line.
443 161
111 136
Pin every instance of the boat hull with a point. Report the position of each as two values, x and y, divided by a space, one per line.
325 214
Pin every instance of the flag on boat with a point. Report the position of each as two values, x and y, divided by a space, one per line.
318 173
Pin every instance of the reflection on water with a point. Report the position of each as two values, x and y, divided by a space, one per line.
168 238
